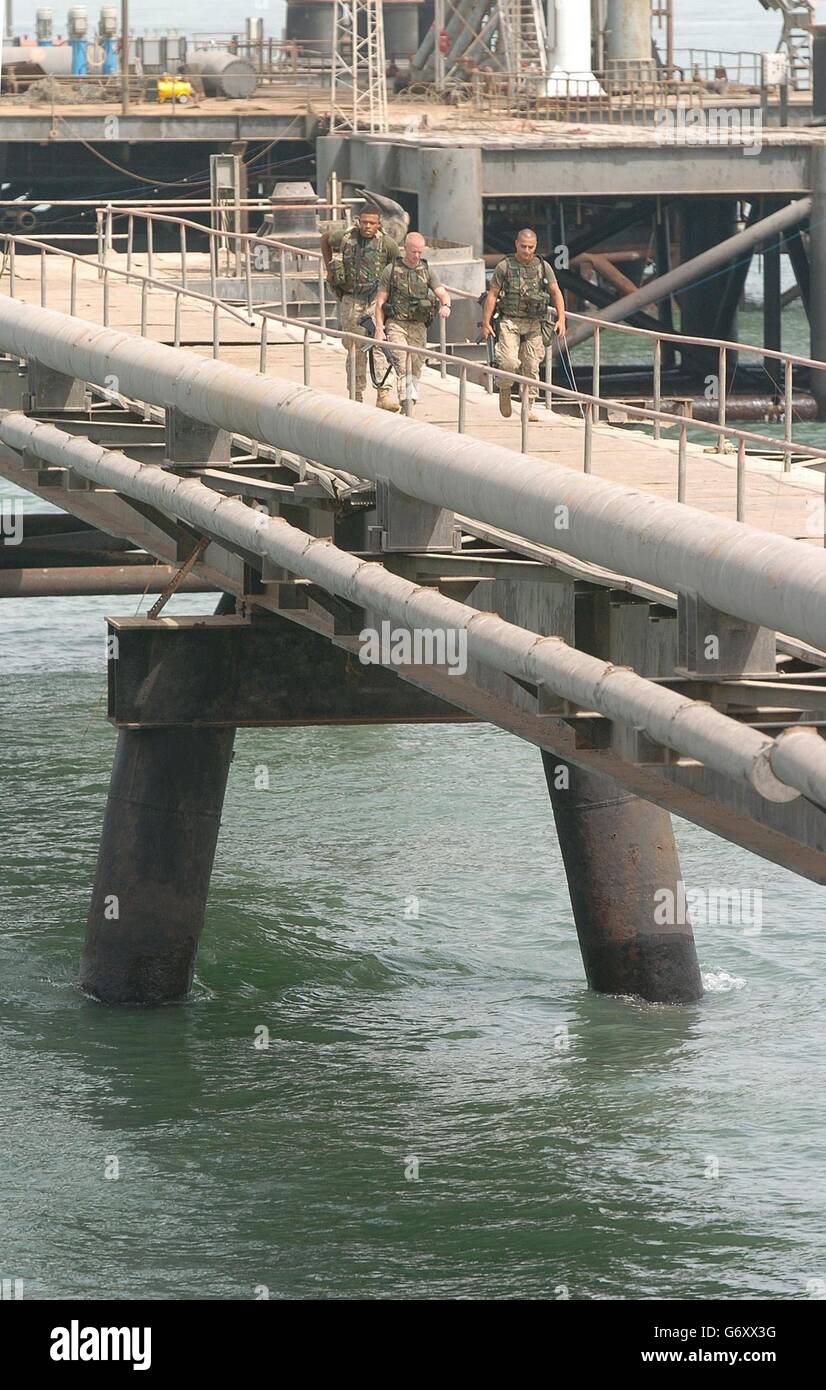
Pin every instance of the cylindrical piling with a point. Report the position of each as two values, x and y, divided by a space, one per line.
817 271
626 888
156 852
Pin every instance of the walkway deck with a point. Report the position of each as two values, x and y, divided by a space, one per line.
790 503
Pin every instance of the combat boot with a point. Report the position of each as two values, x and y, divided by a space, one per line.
505 407
384 401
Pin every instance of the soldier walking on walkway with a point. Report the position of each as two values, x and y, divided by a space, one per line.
355 259
409 298
523 288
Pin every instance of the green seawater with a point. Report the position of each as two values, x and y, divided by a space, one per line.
444 1110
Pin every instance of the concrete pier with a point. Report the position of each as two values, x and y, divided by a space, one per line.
622 864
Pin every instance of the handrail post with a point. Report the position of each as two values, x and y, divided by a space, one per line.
322 295
144 306
73 288
262 353
306 358
213 262
721 400
43 294
596 376
443 346
130 243
216 331
150 246
408 383
741 480
247 276
589 435
524 410
788 395
12 245
658 382
183 255
351 369
282 272
177 329
106 297
549 378
99 230
681 460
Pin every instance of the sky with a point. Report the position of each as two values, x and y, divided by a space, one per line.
727 24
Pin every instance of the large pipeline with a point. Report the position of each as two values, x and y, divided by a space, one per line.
689 727
757 575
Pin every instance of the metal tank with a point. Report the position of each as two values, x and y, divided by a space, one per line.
311 23
53 61
628 39
222 73
401 29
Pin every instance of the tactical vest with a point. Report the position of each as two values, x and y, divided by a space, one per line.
525 293
410 294
362 262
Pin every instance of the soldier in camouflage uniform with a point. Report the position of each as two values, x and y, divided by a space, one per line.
361 254
409 298
524 288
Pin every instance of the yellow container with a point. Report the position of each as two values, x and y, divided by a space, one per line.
175 89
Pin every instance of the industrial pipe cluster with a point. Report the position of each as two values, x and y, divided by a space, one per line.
222 74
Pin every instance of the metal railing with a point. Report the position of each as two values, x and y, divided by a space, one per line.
590 404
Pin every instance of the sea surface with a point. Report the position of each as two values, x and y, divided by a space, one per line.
443 1110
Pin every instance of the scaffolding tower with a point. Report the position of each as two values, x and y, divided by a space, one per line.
795 38
358 98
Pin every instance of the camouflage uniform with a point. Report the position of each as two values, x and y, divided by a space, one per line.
356 277
523 304
411 306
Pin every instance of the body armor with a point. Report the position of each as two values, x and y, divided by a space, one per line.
410 294
526 291
362 262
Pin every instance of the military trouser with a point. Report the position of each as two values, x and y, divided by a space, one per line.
414 334
355 307
520 348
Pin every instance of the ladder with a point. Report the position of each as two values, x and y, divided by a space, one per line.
795 38
523 36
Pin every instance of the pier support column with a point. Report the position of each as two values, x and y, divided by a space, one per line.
705 223
450 195
159 835
626 887
817 272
